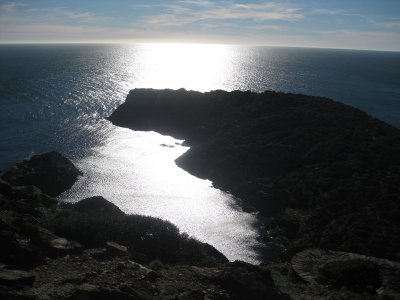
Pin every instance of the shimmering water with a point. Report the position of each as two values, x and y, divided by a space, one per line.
56 97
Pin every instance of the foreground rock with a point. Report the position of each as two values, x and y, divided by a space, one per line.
356 272
328 173
16 277
87 277
92 250
50 172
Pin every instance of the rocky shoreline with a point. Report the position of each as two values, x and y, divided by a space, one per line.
325 174
92 250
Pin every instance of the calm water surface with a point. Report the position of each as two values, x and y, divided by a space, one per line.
56 97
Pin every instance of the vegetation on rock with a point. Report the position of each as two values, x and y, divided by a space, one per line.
336 166
94 221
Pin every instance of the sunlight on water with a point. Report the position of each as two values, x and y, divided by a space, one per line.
174 66
57 96
137 172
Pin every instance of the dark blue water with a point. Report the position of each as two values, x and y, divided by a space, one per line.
50 93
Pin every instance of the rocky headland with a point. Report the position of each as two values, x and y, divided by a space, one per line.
326 174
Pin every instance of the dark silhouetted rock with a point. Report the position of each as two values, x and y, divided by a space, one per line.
356 272
35 195
329 161
246 281
96 204
148 258
51 172
16 249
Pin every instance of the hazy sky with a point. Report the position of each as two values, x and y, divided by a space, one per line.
361 24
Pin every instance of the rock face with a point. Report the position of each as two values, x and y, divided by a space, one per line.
50 172
335 166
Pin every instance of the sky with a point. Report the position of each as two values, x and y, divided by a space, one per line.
349 24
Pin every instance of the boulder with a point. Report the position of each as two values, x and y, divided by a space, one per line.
63 246
51 172
116 249
247 281
110 251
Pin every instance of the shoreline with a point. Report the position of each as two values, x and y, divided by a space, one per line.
91 249
289 156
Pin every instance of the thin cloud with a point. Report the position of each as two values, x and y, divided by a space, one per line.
10 6
267 27
390 24
22 12
61 13
139 5
336 12
188 12
223 21
328 11
201 3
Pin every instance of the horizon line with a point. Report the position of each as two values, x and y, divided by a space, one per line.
181 43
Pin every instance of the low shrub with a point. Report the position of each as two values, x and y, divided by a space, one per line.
153 237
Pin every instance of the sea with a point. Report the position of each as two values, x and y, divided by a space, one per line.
56 97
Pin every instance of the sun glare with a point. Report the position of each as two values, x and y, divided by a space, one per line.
190 66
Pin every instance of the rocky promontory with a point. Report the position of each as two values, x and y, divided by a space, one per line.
326 173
